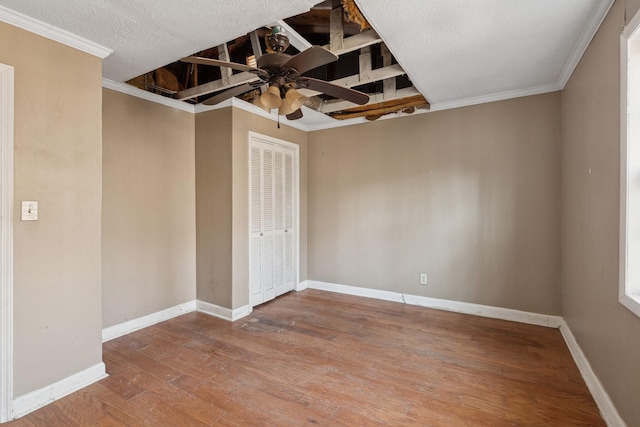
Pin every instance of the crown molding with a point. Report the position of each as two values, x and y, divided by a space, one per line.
502 96
249 107
143 94
329 123
53 33
449 105
199 108
583 42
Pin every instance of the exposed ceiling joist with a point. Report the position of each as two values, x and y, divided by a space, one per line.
255 44
389 84
336 30
364 39
339 105
216 85
365 63
225 72
356 80
387 107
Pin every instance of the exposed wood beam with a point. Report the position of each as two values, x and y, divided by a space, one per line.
349 29
365 63
225 72
336 30
374 76
355 80
389 84
255 44
215 86
365 38
379 110
339 104
359 41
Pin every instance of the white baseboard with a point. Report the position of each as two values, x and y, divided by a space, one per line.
37 399
355 290
223 312
302 286
605 405
441 304
607 408
547 320
145 321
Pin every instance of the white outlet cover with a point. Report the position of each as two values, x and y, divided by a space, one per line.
29 210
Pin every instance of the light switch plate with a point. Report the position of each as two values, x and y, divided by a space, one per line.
29 210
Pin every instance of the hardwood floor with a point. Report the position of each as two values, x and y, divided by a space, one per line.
318 358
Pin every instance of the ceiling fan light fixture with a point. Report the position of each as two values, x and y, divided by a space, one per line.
271 97
295 99
286 108
258 103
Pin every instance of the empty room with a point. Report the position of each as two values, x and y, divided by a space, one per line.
305 212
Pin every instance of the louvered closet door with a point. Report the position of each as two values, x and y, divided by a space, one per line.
255 255
272 221
289 266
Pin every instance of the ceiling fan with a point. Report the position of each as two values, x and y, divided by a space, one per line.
283 74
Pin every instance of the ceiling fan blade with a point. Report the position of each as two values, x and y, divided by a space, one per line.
229 93
218 63
333 90
311 58
295 115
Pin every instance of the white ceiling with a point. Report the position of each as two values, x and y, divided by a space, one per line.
148 34
456 52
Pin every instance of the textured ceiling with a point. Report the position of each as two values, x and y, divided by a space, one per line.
148 34
456 52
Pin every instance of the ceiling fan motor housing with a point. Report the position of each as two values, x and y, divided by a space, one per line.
277 41
276 71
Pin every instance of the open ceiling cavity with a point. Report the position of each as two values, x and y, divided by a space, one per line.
357 61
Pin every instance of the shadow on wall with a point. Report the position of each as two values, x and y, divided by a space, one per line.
477 212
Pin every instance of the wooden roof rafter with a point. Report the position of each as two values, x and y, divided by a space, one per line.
339 14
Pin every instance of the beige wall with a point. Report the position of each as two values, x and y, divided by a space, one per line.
608 333
148 216
222 170
243 122
58 115
213 206
469 196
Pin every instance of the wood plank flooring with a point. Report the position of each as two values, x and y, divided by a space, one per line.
318 358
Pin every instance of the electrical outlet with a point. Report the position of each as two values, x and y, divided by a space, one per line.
423 278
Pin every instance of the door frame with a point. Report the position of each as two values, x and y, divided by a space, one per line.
254 136
6 241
